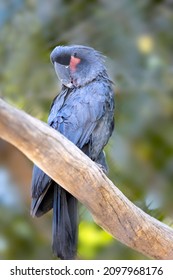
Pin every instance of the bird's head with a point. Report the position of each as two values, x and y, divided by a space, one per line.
77 65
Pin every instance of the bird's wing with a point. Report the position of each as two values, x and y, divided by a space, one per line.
81 113
77 117
40 187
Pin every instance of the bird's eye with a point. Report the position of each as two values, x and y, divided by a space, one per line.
75 54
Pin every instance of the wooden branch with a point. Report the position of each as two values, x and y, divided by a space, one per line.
75 172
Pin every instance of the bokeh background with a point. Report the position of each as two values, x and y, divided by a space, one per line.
137 38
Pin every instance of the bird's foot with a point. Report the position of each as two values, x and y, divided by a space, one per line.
103 168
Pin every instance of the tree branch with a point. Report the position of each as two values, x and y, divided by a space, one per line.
75 172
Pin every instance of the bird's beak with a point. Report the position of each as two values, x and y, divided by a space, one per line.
63 74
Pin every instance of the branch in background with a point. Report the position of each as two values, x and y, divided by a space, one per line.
79 175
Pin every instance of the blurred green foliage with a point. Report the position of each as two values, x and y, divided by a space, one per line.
137 38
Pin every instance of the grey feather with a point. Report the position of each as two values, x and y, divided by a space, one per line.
84 113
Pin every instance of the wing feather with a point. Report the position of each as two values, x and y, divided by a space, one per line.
83 116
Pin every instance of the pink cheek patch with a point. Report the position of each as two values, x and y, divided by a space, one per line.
74 61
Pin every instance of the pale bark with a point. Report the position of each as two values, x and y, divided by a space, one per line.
75 172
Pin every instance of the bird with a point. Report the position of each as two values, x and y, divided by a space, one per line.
83 112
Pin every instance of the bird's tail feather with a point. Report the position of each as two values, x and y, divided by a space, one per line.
64 224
